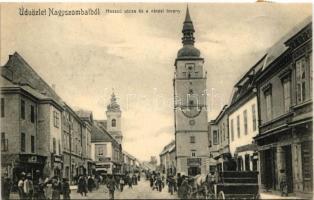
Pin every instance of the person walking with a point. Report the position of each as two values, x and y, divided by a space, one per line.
66 189
121 183
130 181
90 183
56 188
170 184
20 186
82 186
184 188
151 180
111 184
28 187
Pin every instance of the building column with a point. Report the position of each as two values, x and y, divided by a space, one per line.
281 164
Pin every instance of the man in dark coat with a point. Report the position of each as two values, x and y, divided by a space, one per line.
66 189
5 187
111 185
82 189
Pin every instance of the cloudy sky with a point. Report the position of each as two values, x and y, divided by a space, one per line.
87 56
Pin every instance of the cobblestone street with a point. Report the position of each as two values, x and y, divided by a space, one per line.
140 191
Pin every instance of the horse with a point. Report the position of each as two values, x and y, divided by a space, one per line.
200 185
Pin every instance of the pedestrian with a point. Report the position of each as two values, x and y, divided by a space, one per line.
130 181
121 183
159 183
20 186
139 176
170 185
151 180
6 185
56 188
184 188
66 189
82 186
111 184
179 182
28 187
90 183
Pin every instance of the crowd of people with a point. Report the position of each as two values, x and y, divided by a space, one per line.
36 187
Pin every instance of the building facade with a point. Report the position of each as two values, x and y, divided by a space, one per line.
167 159
106 151
190 109
285 109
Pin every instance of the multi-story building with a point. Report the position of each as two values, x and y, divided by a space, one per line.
190 107
87 118
285 138
106 151
167 159
243 120
30 121
219 147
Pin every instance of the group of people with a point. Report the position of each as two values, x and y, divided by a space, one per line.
35 187
156 181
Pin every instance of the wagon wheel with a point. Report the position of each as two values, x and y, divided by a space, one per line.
221 195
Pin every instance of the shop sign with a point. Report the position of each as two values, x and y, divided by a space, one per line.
194 161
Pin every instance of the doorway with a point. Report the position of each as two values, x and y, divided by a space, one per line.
270 160
193 171
288 164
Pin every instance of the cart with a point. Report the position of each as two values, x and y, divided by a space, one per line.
237 185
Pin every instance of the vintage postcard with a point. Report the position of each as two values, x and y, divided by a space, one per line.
156 100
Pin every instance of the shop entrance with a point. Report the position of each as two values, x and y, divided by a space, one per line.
288 164
193 171
270 160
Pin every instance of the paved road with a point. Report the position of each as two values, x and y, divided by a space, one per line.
140 191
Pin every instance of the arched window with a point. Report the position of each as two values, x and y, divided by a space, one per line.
113 123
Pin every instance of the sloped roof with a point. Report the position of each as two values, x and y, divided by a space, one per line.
279 47
100 135
168 147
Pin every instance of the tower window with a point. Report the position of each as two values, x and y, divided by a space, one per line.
191 102
192 139
113 123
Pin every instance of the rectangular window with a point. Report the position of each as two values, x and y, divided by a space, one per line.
4 142
193 154
22 142
32 114
245 122
192 139
59 146
54 145
56 119
215 137
238 126
301 80
2 107
254 117
100 151
268 106
286 94
232 130
33 144
22 109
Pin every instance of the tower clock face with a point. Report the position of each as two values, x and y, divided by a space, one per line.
191 112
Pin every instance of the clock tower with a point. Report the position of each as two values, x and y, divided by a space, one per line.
114 119
190 109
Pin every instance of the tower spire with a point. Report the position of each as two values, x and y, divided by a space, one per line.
188 29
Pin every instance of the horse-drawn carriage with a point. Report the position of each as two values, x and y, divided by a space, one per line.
227 185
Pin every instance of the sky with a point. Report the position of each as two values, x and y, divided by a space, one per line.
87 57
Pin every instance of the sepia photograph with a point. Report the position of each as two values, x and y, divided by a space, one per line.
155 100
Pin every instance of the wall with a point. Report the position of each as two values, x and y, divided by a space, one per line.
244 139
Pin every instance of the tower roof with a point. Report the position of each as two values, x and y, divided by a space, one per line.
113 105
188 49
